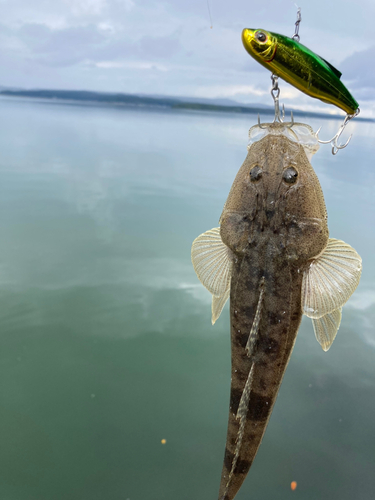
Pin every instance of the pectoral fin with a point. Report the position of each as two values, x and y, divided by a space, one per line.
330 279
327 284
212 261
218 304
326 327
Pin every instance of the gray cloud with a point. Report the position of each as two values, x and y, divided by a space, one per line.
76 44
160 47
60 47
168 47
359 68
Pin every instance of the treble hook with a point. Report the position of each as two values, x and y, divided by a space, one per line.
335 139
259 124
275 92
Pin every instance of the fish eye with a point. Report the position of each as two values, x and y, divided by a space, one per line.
290 175
261 37
256 173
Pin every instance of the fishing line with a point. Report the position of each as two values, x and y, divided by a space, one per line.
209 13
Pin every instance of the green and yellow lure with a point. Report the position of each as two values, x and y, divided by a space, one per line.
299 66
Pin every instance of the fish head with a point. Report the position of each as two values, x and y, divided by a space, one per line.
260 44
276 196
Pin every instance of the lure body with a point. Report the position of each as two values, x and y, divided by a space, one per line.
299 66
270 254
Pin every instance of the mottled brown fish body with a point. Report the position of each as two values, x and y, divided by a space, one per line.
273 228
272 257
277 333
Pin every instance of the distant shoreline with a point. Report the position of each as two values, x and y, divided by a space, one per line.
119 99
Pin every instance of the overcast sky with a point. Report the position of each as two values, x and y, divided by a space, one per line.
168 48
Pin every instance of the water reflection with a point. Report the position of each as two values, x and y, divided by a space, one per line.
98 209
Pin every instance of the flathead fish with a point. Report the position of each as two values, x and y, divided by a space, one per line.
273 256
299 66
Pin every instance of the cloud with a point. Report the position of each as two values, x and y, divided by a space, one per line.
215 91
111 45
359 70
160 47
139 65
60 47
100 43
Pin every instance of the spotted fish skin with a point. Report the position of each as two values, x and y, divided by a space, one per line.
277 333
273 229
272 256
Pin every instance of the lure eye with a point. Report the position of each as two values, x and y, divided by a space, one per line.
256 173
290 175
261 37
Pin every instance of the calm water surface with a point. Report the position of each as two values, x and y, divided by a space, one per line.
106 344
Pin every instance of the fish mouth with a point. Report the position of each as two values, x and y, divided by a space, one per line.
247 37
254 48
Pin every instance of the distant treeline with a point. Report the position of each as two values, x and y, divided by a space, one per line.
86 96
134 100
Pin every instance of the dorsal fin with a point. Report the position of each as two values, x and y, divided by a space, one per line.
336 71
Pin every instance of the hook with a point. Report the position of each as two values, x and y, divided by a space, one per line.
275 92
317 132
335 139
259 124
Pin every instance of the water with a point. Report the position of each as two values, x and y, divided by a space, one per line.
106 341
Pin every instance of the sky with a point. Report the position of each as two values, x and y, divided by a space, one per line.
169 48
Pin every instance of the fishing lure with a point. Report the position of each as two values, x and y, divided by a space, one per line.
273 257
296 64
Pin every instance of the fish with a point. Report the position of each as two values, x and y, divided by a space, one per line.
273 257
299 66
